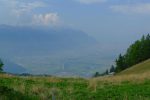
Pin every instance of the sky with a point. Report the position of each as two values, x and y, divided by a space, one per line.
112 22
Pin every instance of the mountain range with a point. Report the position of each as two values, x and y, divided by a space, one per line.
59 51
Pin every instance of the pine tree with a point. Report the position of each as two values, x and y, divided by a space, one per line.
96 74
136 53
107 72
112 69
1 65
120 63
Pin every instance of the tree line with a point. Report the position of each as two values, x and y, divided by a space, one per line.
107 72
137 52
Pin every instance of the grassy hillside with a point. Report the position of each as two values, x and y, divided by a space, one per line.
121 87
137 69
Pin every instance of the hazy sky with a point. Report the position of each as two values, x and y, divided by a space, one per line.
113 22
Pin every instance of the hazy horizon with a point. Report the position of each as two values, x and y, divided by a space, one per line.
114 24
105 20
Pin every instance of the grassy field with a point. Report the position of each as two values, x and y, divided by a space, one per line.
130 87
135 86
138 69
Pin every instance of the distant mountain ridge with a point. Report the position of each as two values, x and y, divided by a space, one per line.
48 51
11 67
47 40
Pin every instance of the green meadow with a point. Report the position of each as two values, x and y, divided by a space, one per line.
130 87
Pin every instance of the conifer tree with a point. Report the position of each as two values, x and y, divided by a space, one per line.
112 69
136 53
1 65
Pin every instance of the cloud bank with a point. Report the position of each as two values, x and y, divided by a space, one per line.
27 13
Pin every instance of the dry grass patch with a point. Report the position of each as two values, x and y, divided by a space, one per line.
101 82
6 75
121 78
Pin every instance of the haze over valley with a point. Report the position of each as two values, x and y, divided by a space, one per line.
68 38
51 51
74 49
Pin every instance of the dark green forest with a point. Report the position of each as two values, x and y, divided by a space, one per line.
136 53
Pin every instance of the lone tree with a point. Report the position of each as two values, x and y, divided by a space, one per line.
1 65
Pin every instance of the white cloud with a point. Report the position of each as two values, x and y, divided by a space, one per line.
91 1
22 7
27 13
46 19
132 9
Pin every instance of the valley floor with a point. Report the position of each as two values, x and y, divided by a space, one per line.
122 87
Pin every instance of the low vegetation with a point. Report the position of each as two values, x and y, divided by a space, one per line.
121 87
